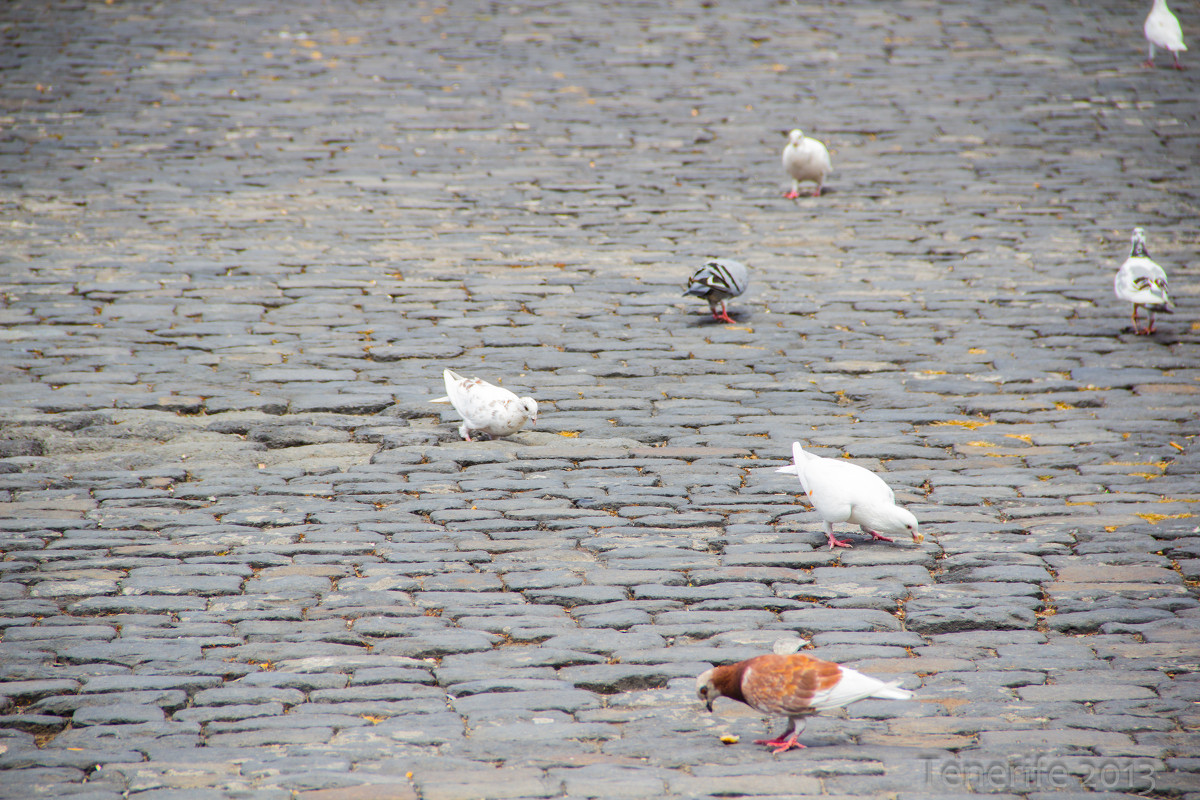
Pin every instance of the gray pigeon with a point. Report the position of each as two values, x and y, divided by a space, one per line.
717 281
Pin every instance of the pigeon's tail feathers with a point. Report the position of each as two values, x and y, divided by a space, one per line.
441 399
855 686
892 691
800 455
452 379
790 469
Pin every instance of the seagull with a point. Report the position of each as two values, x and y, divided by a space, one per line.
845 492
1162 30
805 159
1143 283
717 281
487 410
795 686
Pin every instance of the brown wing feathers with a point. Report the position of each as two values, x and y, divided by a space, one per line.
782 684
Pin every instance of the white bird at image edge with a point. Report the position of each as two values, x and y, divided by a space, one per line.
1162 30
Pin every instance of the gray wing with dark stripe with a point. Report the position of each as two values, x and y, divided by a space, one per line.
719 278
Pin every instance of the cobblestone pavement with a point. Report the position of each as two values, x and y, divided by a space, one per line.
245 557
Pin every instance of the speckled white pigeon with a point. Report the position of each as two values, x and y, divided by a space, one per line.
487 410
1143 283
1162 30
845 492
717 281
805 159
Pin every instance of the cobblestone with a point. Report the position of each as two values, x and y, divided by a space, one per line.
243 555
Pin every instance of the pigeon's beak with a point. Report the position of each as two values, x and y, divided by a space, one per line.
918 537
708 704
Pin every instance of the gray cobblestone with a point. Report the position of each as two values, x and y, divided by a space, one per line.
245 556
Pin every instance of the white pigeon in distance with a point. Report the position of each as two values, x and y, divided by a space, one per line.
805 159
492 411
845 492
1143 283
1162 30
717 281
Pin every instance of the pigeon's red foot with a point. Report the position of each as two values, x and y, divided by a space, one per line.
724 317
836 542
781 744
817 192
1148 64
881 537
792 195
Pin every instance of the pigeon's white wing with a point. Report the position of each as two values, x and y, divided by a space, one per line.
856 686
837 487
1142 281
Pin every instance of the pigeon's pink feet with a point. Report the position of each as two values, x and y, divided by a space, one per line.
881 537
1148 64
782 745
792 195
817 192
836 542
723 317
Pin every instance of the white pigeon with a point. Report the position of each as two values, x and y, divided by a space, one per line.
805 159
489 410
1143 283
1162 30
717 281
845 492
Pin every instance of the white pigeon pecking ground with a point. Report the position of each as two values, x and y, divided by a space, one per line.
805 159
717 281
1142 282
845 492
492 411
1162 30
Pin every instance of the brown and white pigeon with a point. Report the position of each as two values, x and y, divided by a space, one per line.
805 159
845 492
486 409
717 281
795 686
